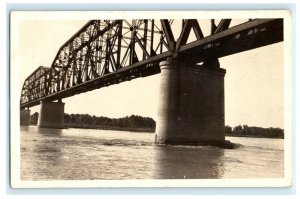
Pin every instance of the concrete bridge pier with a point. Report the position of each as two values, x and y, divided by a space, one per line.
51 114
25 117
191 104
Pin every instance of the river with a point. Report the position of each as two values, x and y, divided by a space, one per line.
86 154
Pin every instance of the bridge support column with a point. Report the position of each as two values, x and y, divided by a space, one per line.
25 117
51 115
191 105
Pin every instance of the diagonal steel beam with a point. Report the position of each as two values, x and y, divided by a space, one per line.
187 27
223 25
169 34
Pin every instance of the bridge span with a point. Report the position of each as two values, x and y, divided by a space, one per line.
107 52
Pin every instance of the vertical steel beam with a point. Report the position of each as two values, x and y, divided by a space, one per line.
106 62
145 39
120 27
152 52
132 47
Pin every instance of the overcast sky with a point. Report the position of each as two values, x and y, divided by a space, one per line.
253 82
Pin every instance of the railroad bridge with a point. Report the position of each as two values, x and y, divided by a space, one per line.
107 52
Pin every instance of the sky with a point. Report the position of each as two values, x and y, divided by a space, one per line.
254 81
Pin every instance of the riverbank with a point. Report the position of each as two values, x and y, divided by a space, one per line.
150 130
136 123
144 130
252 136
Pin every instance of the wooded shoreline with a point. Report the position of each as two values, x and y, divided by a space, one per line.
135 123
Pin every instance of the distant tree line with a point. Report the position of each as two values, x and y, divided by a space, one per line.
131 123
139 123
253 131
127 123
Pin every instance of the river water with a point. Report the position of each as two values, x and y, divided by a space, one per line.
81 154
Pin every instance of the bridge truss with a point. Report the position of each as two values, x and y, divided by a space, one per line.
106 52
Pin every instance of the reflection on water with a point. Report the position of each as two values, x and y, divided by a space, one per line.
189 162
50 132
80 154
24 128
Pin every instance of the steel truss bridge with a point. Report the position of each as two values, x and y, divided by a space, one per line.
107 52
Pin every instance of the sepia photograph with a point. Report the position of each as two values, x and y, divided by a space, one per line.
150 99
